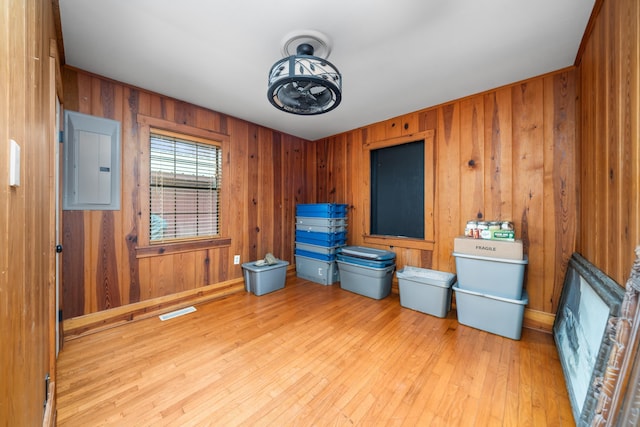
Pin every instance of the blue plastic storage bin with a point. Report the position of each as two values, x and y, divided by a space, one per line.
322 210
326 250
321 228
367 253
367 257
366 262
321 239
316 255
323 222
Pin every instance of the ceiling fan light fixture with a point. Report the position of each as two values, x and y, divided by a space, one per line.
305 84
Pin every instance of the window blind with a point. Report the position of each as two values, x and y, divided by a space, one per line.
184 188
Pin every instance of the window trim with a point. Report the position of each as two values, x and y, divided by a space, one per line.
147 126
429 192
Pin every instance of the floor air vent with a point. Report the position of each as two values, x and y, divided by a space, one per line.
177 313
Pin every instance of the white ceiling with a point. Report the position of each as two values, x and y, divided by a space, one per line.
395 56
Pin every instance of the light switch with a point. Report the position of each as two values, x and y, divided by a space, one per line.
14 164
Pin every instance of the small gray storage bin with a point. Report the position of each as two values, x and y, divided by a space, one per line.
425 290
262 279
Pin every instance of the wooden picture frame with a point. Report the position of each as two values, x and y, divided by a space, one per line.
588 302
618 390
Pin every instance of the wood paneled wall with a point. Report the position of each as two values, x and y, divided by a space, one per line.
609 69
27 288
507 154
263 180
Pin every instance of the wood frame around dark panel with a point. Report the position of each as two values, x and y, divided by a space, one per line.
429 189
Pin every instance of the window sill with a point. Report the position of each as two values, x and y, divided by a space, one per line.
180 247
401 242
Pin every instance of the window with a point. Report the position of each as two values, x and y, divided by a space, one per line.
397 190
185 175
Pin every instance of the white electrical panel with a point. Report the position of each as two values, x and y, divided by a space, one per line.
91 163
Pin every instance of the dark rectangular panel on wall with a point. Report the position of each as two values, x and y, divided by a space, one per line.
397 190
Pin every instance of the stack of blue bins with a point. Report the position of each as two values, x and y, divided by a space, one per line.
321 229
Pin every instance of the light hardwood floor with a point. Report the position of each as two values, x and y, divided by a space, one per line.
309 355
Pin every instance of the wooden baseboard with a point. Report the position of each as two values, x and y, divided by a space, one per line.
538 320
94 322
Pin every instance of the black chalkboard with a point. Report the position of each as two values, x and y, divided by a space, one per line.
397 190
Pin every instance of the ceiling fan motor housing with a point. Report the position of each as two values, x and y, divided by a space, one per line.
304 84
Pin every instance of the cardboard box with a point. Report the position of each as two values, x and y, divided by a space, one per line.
488 248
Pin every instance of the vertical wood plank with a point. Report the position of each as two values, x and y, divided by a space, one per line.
290 187
560 183
253 229
338 171
528 167
130 198
107 277
73 261
600 205
448 184
353 193
161 276
265 192
472 159
410 123
587 156
430 182
236 158
498 169
321 148
375 132
277 210
614 143
185 266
